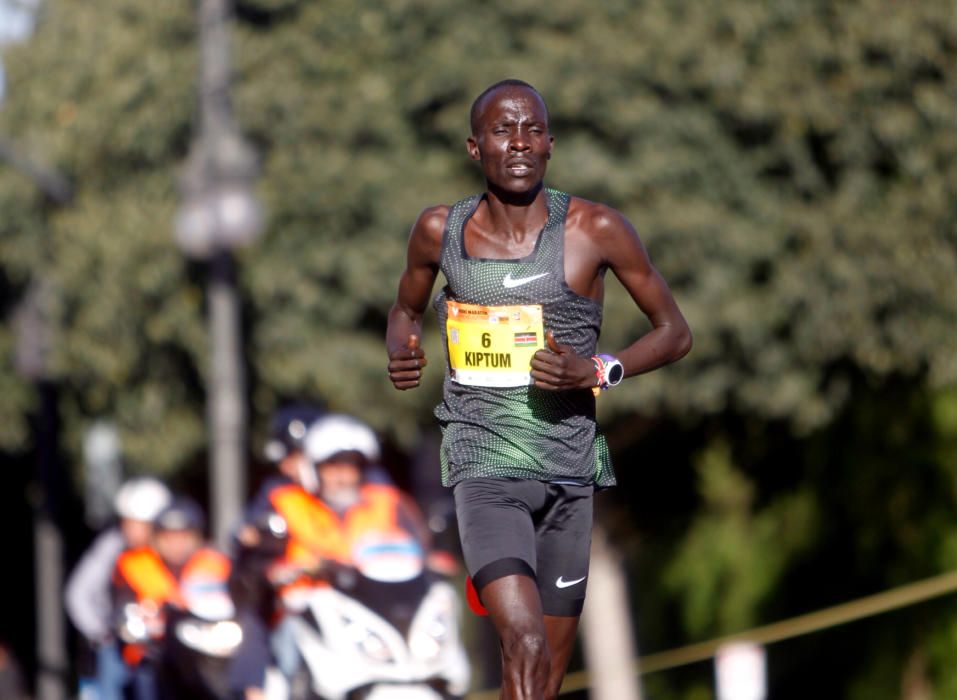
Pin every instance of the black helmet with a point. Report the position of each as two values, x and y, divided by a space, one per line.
182 513
288 428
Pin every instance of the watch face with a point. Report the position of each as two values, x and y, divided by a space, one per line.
615 373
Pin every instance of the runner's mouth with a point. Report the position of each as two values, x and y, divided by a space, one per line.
519 168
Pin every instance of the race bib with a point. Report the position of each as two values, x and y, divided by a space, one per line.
493 345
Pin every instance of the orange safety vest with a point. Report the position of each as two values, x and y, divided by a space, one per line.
317 532
144 571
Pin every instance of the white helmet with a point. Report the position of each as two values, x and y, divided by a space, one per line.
141 499
336 433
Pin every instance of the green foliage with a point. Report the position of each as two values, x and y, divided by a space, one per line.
792 167
111 115
732 559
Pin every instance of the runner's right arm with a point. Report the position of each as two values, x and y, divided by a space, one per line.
403 337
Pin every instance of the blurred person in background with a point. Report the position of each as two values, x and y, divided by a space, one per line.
520 315
259 557
87 592
355 499
284 448
339 496
148 578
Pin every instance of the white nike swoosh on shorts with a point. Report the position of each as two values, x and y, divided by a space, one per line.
508 282
560 583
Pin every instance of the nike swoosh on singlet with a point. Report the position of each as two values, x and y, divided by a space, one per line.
510 282
560 583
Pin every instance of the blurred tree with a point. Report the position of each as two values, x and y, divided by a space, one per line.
792 167
774 158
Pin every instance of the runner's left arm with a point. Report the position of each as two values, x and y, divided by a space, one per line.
670 336
614 244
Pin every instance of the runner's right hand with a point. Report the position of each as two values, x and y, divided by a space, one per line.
406 363
558 367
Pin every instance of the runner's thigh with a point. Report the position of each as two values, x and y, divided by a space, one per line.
563 543
496 528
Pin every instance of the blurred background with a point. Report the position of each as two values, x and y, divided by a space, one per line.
791 166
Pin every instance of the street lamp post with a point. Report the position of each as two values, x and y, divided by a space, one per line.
34 341
220 213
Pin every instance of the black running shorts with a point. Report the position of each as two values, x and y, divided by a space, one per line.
534 528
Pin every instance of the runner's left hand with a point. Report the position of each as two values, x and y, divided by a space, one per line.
558 367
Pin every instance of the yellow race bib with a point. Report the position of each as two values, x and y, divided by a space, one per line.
493 345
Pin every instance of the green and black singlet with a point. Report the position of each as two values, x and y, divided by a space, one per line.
518 431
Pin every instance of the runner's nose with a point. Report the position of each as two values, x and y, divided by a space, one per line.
519 143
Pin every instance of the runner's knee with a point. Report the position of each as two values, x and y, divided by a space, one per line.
527 648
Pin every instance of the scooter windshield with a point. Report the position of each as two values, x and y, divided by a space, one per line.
388 557
207 599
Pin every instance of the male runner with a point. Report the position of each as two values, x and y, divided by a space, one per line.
520 317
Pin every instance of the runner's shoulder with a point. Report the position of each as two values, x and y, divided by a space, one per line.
431 221
425 240
597 221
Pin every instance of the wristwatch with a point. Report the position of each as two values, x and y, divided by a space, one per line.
608 370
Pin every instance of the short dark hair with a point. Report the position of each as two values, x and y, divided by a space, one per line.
508 82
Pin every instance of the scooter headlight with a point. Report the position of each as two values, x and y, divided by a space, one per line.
135 630
134 627
219 639
428 639
370 643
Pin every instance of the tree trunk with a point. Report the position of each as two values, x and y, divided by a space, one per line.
606 626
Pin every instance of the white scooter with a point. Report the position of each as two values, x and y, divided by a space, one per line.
385 629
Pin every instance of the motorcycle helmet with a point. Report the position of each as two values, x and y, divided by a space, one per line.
141 499
336 434
288 429
181 514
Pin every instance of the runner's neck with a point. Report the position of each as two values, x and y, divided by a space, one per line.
512 218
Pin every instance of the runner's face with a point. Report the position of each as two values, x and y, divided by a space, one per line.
512 141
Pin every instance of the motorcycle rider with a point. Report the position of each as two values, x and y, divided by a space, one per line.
343 451
370 545
87 592
259 557
147 579
339 495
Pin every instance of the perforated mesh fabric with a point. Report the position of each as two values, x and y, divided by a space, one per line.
521 432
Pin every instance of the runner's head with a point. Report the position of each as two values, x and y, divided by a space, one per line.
341 447
479 103
510 137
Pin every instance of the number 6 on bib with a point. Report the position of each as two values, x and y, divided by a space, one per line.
493 345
